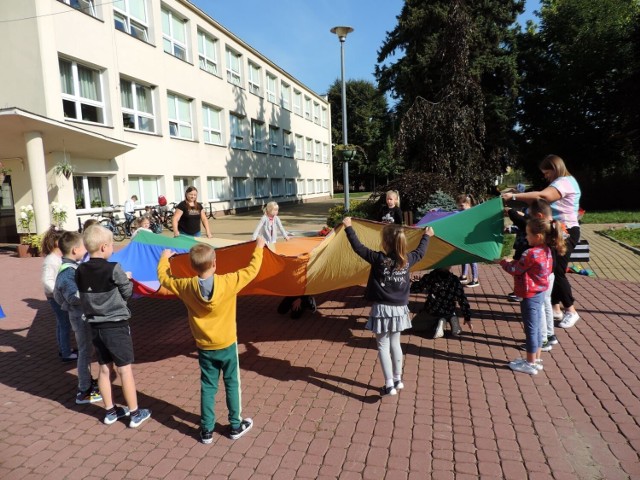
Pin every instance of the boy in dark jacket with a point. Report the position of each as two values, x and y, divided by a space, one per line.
104 290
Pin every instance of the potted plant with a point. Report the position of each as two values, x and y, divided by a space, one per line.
35 242
64 168
24 221
59 214
4 171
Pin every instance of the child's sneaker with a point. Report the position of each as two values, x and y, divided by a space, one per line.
569 320
546 346
71 358
512 297
439 333
524 367
398 385
120 412
141 415
386 391
552 340
244 427
90 396
463 279
206 436
473 283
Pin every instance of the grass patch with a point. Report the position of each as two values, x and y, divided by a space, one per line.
354 195
630 236
614 216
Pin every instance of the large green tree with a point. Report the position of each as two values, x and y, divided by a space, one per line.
452 67
367 124
579 93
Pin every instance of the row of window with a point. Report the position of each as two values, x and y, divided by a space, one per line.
132 17
95 191
83 99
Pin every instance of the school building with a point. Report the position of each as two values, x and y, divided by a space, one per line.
147 97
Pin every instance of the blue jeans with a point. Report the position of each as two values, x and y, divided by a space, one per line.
533 317
82 331
474 271
63 329
197 234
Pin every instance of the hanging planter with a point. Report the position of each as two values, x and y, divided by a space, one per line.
64 169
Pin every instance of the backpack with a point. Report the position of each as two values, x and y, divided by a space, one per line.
162 200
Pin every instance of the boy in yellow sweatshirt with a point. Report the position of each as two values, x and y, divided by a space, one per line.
211 305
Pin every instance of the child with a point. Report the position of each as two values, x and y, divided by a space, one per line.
465 202
531 281
104 290
129 211
297 305
519 220
443 289
140 223
211 306
388 287
391 213
66 294
50 267
270 224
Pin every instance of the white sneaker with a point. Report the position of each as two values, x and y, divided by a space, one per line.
440 329
519 361
524 367
398 385
569 320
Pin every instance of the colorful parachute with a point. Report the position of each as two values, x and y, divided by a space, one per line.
315 265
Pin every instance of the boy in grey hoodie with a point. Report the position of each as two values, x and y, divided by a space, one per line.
65 292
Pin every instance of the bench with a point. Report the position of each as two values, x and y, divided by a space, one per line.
581 252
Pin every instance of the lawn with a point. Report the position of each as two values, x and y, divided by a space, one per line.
614 216
630 236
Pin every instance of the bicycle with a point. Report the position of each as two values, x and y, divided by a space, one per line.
212 211
111 222
167 218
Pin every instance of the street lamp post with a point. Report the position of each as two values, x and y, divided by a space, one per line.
342 33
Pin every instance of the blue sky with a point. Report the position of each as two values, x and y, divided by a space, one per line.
295 35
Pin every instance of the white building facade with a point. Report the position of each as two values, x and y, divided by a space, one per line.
146 98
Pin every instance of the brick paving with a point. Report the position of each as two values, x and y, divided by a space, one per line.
311 386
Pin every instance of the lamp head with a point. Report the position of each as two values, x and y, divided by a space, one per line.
342 32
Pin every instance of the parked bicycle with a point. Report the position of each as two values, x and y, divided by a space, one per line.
155 215
112 222
167 218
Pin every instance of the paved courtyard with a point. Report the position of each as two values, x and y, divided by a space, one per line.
311 386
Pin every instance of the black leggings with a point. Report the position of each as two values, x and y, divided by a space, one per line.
561 292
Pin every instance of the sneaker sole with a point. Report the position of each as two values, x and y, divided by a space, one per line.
242 433
206 441
133 424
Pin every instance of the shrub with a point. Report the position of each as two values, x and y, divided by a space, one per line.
438 200
357 209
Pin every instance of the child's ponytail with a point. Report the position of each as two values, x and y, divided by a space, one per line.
555 237
394 242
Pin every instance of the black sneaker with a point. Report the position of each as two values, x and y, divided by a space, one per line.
552 340
206 436
473 283
239 431
512 297
385 391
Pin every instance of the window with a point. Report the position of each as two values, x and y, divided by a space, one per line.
285 96
212 125
316 152
208 53
308 149
258 135
274 140
234 74
91 192
217 188
289 187
130 16
180 185
307 108
297 102
271 88
298 150
300 186
240 188
174 34
287 144
310 187
255 76
261 187
316 113
145 188
325 153
318 186
324 117
137 106
277 187
236 124
82 97
86 6
326 185
180 117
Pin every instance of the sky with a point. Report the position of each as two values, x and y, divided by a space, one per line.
294 34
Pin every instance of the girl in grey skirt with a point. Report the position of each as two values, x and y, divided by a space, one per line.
388 289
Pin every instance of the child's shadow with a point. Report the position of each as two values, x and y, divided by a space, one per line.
284 371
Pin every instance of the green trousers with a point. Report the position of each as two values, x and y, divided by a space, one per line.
212 362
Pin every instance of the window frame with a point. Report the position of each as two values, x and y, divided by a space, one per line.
298 151
212 195
317 150
287 142
274 135
300 186
307 108
277 187
207 129
203 56
237 131
271 88
135 111
297 102
289 182
141 180
285 95
128 21
311 183
179 122
260 187
308 149
316 113
258 136
170 37
255 85
243 181
233 77
105 181
75 4
77 99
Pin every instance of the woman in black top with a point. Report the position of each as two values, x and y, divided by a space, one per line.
189 214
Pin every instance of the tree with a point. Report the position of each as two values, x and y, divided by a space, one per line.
367 115
457 68
579 90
